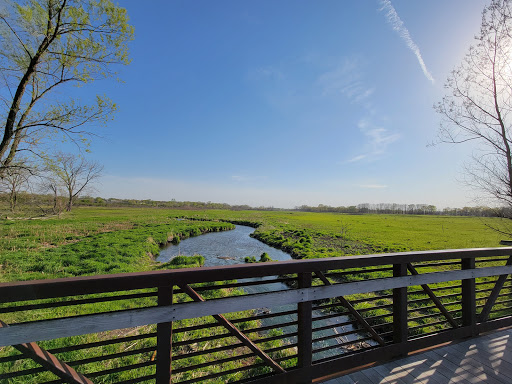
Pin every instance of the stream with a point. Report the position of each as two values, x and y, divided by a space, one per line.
231 247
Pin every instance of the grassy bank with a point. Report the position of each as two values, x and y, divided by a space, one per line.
90 241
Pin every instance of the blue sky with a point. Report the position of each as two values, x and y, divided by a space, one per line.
284 103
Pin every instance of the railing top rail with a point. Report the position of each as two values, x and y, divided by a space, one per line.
51 288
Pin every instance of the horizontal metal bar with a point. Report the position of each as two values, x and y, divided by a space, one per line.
479 260
111 356
68 303
219 374
213 362
265 316
331 326
429 325
269 327
444 288
341 345
206 351
103 343
278 337
138 379
238 284
440 264
196 327
25 372
53 329
201 339
334 336
39 289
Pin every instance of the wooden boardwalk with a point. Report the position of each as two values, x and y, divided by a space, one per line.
485 359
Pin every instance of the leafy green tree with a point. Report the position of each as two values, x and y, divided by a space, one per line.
47 45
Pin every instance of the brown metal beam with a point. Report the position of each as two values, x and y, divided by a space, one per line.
50 362
235 331
434 298
491 300
164 340
353 311
83 285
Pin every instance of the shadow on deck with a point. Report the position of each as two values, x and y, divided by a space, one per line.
484 359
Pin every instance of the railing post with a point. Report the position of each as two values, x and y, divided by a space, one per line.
469 298
305 336
164 340
400 329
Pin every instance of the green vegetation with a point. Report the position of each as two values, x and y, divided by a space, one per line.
264 257
94 240
312 235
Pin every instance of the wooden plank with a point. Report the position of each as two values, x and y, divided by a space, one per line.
490 360
305 332
434 298
474 370
353 311
50 362
484 315
164 339
39 289
80 325
235 332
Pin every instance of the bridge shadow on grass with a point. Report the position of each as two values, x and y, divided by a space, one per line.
486 359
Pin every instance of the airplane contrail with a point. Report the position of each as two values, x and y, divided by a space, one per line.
398 25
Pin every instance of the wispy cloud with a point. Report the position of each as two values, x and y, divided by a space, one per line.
357 158
378 139
398 25
345 79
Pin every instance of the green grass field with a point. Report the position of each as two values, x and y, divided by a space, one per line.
100 240
331 234
90 241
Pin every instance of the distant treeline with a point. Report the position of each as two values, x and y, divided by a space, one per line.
41 201
113 202
408 209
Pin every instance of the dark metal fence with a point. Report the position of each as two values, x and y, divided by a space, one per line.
277 322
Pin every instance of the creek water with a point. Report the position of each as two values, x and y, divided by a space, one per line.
231 247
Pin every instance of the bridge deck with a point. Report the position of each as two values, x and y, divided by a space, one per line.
485 359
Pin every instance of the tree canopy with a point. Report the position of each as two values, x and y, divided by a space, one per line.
49 44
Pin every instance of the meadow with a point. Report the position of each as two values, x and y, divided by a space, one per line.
91 241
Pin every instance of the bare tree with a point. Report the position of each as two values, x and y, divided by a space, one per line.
49 183
479 104
14 180
74 174
50 44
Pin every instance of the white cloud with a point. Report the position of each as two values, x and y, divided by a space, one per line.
357 158
378 139
398 25
345 79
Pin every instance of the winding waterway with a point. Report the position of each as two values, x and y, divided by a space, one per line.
231 247
223 248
